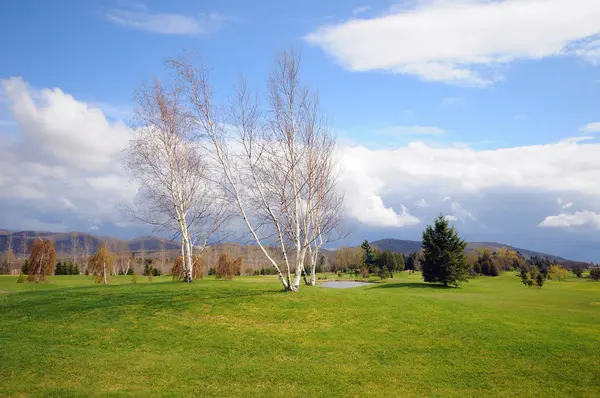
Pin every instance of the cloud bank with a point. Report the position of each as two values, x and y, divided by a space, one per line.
464 42
61 170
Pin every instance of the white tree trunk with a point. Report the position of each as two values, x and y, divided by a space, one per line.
104 272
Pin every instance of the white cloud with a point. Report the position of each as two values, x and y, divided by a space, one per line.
450 218
168 23
591 128
411 130
65 159
581 138
421 203
577 219
471 184
363 193
360 10
464 42
460 213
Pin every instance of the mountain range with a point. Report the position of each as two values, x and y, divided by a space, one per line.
63 243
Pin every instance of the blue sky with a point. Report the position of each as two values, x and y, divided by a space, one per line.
427 99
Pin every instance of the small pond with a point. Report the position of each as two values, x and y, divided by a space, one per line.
343 284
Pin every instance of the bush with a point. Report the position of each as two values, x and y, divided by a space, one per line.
42 260
557 272
226 268
21 278
577 271
149 270
25 267
595 274
211 271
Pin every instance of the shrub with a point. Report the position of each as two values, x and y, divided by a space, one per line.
197 268
149 270
578 272
133 278
21 278
595 274
211 271
557 272
42 260
25 267
226 268
101 264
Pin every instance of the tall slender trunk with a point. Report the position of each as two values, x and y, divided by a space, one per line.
188 260
104 272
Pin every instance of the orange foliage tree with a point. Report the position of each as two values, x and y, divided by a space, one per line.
41 260
197 268
226 268
101 264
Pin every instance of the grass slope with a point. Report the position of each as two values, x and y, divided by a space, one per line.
492 337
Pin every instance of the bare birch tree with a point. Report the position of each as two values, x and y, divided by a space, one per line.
24 245
163 255
74 246
177 193
264 156
87 249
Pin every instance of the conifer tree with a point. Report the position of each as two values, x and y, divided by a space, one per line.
444 260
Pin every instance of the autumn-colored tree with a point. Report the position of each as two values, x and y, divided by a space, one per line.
557 272
178 271
506 258
226 268
41 261
101 264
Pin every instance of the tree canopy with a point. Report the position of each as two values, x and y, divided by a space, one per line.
443 260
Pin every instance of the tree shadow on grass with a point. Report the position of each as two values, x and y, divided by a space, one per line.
412 285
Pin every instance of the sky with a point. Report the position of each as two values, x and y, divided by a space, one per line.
485 111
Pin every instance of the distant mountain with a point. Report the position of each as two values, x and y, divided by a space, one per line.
64 243
411 246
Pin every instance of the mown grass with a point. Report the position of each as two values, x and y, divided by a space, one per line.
491 337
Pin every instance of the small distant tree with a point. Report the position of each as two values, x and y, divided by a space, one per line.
443 260
400 260
226 268
369 256
578 272
388 264
25 267
487 265
178 271
412 262
41 261
532 276
595 274
101 264
8 258
557 272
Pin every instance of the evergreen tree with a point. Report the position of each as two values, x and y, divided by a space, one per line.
369 255
444 260
400 261
487 265
387 263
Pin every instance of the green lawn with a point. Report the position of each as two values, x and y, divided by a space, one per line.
491 337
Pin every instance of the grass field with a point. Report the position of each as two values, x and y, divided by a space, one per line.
491 337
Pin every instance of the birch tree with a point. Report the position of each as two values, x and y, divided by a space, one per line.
176 192
74 246
87 249
266 156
